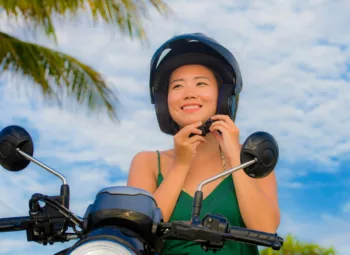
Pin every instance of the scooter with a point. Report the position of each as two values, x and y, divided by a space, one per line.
125 220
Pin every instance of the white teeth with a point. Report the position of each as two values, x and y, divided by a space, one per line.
191 107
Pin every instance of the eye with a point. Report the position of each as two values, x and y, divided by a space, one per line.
201 83
175 86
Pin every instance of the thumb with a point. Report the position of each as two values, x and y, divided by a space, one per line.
217 136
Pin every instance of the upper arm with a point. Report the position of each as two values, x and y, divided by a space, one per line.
268 185
141 173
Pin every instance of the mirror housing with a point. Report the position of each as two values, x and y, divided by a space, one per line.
263 146
11 138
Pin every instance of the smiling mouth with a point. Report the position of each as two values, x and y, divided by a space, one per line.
191 107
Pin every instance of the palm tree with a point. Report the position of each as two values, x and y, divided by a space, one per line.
291 246
54 72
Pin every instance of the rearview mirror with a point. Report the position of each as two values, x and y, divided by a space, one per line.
264 148
11 138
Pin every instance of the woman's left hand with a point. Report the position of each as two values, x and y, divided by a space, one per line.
229 137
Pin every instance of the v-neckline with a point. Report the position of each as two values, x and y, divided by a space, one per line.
211 193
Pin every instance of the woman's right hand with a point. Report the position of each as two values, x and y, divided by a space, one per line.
185 147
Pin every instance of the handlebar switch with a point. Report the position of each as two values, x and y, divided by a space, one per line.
215 222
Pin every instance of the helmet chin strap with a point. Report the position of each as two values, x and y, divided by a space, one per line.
218 106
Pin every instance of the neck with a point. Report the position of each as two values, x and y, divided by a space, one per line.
211 147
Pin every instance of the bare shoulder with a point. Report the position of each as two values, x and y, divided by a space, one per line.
144 161
142 171
144 156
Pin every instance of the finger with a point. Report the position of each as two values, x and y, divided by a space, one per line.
223 117
218 128
230 127
190 129
196 144
220 117
217 135
194 132
197 138
193 128
220 123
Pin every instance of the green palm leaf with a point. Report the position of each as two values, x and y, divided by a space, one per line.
124 14
56 73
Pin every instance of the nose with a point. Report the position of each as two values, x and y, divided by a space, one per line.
190 97
189 93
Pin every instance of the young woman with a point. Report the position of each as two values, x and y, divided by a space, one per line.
197 80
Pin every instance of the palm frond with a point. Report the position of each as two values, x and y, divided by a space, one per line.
56 73
124 14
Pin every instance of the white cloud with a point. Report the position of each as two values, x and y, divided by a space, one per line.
273 42
129 84
287 178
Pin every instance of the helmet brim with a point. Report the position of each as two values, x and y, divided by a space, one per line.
166 67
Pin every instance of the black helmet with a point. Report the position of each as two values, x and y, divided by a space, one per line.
194 48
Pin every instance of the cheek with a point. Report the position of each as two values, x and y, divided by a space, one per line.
173 99
210 96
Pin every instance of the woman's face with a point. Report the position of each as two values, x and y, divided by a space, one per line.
192 94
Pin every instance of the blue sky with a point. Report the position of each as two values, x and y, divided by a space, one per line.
295 62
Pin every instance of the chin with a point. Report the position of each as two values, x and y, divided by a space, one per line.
189 118
190 121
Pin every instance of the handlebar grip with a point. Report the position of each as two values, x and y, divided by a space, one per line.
13 224
255 234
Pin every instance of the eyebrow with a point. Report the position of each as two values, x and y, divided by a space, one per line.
197 77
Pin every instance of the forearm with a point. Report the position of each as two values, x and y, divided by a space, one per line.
169 190
258 211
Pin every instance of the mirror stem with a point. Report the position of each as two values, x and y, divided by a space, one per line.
198 196
227 172
64 187
43 166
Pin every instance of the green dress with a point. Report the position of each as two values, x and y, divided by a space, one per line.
221 200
